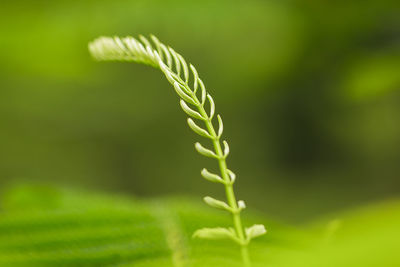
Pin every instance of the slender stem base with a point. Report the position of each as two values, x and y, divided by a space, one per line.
245 256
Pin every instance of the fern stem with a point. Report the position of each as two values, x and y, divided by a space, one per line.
245 256
230 194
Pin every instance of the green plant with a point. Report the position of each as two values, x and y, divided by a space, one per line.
176 70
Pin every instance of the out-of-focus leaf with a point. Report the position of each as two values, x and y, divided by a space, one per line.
72 228
85 229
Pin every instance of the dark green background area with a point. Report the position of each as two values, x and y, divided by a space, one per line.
308 91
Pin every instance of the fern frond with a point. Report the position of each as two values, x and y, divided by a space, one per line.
176 70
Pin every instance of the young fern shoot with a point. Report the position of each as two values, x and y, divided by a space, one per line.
193 97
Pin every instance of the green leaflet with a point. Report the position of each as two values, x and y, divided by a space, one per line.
204 151
197 129
190 111
255 231
217 204
211 176
216 233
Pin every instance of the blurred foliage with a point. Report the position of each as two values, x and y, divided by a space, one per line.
309 92
44 226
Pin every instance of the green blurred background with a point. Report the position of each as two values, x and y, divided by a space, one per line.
309 92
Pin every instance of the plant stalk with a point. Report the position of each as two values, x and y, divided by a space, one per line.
230 194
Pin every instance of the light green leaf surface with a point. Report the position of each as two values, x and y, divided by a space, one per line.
57 227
